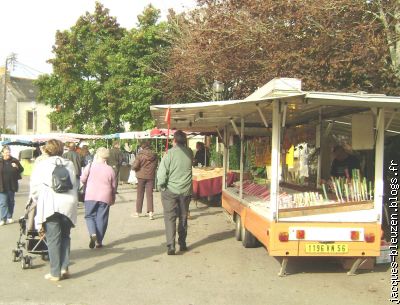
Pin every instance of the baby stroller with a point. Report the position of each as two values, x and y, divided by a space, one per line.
35 241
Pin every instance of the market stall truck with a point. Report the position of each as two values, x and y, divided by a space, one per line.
344 228
352 234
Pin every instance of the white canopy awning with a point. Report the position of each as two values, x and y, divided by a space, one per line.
300 107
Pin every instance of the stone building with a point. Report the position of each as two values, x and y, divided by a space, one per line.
23 114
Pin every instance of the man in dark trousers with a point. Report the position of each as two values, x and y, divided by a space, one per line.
115 160
75 158
174 179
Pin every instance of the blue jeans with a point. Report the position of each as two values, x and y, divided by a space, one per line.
96 215
58 228
7 203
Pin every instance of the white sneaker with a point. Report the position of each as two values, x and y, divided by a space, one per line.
49 277
151 216
2 223
136 215
10 220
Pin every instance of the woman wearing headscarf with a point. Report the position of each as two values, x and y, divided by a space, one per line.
56 211
101 185
10 173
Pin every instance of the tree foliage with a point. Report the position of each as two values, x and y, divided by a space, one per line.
102 73
105 75
330 45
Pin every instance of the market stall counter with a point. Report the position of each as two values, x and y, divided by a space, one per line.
207 181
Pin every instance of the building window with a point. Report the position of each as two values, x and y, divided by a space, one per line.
29 120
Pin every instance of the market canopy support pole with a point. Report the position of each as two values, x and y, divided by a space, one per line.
391 119
284 115
282 271
379 157
225 158
357 263
262 116
275 155
241 157
318 146
235 127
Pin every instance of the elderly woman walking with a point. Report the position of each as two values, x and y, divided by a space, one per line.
56 211
10 173
101 184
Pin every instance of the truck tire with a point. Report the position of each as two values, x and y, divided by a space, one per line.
238 227
248 239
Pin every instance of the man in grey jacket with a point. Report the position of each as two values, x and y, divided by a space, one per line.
174 179
115 160
75 158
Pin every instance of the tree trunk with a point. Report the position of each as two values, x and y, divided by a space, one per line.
392 33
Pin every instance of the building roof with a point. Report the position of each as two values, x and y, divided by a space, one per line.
24 88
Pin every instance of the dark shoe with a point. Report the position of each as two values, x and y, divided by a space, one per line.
171 250
92 242
65 274
183 248
98 246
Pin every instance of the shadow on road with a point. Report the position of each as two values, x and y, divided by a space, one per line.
125 255
212 239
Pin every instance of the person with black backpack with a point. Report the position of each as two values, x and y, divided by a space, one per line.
53 187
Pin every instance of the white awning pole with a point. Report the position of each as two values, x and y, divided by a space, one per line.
225 158
379 164
284 115
235 127
262 116
241 157
390 120
275 156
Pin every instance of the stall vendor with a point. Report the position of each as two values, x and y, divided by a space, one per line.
343 163
202 156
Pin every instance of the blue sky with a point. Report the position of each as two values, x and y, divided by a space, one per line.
28 27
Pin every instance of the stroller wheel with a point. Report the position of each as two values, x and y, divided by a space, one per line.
16 255
26 262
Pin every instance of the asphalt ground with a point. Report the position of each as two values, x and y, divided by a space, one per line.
133 267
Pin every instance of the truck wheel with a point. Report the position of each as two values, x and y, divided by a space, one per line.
248 239
238 227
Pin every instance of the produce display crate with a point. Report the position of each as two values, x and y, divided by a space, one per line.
326 209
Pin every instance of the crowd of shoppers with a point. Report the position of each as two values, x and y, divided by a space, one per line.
56 212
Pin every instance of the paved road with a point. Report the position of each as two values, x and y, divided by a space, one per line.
133 268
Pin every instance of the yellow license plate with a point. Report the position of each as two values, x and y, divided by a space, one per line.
327 248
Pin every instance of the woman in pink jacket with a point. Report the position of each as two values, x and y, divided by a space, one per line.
100 182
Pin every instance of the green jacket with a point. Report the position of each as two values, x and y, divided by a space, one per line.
175 171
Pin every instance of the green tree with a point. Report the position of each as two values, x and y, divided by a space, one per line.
81 87
104 75
139 65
